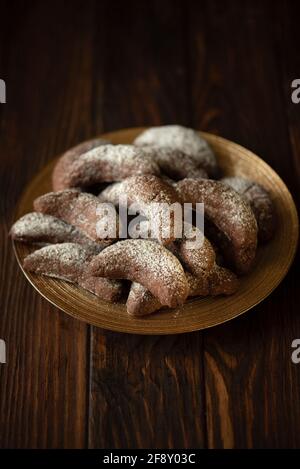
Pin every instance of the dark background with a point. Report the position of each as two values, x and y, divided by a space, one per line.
74 70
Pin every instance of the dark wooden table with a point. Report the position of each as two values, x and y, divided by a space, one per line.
74 70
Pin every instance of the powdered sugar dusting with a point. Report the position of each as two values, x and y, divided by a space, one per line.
67 253
220 201
146 262
175 163
65 260
77 208
241 185
32 225
157 259
41 228
181 138
260 202
110 163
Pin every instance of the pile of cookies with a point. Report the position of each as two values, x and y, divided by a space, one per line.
166 164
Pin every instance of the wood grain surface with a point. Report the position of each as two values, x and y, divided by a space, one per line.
74 70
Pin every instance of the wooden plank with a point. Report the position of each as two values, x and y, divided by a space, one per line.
236 91
47 64
146 392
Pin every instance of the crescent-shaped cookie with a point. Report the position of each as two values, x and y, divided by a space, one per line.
105 163
175 164
80 209
230 214
67 159
220 281
145 262
146 192
38 228
180 138
69 261
197 257
260 202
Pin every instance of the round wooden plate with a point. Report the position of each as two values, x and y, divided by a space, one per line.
273 259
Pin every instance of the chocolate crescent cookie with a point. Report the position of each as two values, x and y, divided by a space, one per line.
105 163
69 261
145 262
67 159
38 228
198 258
188 141
152 197
230 214
260 202
175 164
80 209
219 281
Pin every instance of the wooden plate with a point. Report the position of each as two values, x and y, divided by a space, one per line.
273 260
